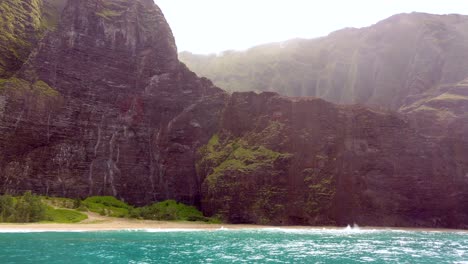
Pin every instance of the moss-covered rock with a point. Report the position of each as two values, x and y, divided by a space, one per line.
321 192
234 171
110 9
35 99
238 156
23 24
20 86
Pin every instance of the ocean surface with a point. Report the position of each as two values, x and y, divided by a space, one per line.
234 246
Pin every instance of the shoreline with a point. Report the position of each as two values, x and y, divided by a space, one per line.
104 224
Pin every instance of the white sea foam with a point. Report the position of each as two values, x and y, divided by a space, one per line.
305 231
163 230
149 230
347 230
12 231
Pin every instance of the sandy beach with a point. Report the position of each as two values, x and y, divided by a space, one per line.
96 222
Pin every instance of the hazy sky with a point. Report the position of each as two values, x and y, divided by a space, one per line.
208 26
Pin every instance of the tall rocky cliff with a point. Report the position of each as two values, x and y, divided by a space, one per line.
97 103
308 161
103 106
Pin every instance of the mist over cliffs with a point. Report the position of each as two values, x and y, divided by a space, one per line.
390 64
94 101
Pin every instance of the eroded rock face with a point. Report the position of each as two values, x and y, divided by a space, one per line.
307 161
124 116
442 111
104 107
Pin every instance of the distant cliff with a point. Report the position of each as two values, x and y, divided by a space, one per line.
94 101
386 65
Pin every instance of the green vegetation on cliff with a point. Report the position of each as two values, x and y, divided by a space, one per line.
13 84
23 24
321 191
233 170
108 14
16 85
43 88
112 8
233 155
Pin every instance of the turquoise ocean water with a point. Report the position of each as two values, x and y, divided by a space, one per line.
230 246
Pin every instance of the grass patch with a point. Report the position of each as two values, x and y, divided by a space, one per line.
60 202
64 216
170 210
107 206
32 208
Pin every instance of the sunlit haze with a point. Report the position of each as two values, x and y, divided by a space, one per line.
210 26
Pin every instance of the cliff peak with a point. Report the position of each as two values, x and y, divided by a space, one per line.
103 107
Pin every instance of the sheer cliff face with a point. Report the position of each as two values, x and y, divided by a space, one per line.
103 106
326 164
307 161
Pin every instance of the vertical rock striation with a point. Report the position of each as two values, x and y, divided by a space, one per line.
125 117
388 64
310 162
